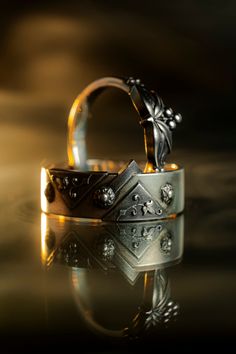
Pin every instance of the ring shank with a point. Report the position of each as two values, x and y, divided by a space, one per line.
78 116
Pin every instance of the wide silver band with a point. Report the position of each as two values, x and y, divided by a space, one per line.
129 195
109 191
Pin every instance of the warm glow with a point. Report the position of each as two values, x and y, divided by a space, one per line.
96 168
75 279
43 237
61 219
173 166
71 128
167 167
149 168
43 187
145 281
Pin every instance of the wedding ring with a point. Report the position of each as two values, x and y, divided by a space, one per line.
109 191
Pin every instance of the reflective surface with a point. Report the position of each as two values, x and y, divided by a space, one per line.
96 296
102 256
129 247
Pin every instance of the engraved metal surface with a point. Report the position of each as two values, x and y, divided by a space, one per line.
166 243
110 249
157 120
105 248
153 309
74 186
104 197
157 308
167 193
130 247
129 194
138 204
125 195
137 238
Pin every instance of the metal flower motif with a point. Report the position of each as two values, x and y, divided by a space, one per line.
158 130
167 193
166 244
104 197
106 248
157 121
148 208
147 233
161 315
141 208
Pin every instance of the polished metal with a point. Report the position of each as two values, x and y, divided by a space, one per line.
154 310
105 190
124 195
157 120
137 253
129 247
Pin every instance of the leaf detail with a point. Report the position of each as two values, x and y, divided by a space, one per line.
163 141
151 210
148 208
159 106
144 210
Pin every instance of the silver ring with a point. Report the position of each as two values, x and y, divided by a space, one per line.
109 191
139 246
130 250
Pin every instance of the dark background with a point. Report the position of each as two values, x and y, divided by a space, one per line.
49 51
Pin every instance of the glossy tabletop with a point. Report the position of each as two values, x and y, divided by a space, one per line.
64 301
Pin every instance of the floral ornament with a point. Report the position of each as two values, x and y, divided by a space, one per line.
146 207
104 197
148 232
138 235
106 248
161 315
166 244
158 122
167 193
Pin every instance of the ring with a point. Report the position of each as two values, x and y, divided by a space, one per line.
155 310
110 253
125 246
110 191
